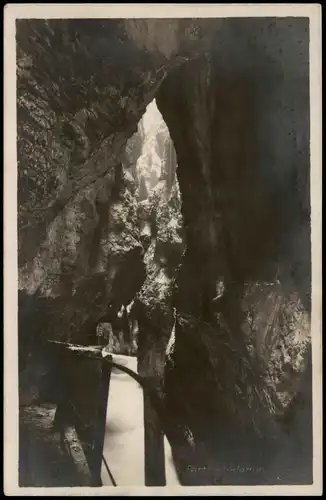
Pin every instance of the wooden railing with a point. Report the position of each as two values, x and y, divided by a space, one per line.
87 460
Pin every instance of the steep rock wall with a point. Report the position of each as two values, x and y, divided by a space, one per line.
239 119
82 87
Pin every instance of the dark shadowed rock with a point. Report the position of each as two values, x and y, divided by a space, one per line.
79 98
91 237
162 226
239 119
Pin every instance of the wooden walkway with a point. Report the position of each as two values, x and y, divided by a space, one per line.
51 457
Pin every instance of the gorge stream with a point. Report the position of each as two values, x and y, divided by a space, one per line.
124 437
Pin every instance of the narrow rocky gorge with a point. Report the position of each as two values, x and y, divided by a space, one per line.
219 272
242 334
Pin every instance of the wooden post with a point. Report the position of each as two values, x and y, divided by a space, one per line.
150 365
99 428
154 445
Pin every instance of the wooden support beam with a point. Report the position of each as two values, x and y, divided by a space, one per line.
65 417
100 424
74 450
153 413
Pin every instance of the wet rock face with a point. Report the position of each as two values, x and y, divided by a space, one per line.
154 302
160 224
239 119
82 87
75 89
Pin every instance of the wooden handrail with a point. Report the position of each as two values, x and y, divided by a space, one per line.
97 353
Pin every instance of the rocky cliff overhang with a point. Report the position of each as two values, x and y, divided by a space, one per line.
239 119
82 87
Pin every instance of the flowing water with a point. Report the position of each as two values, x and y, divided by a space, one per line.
124 438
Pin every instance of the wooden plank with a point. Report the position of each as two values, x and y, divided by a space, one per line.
74 450
151 365
65 416
154 445
100 425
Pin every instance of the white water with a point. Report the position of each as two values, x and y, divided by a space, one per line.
124 439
